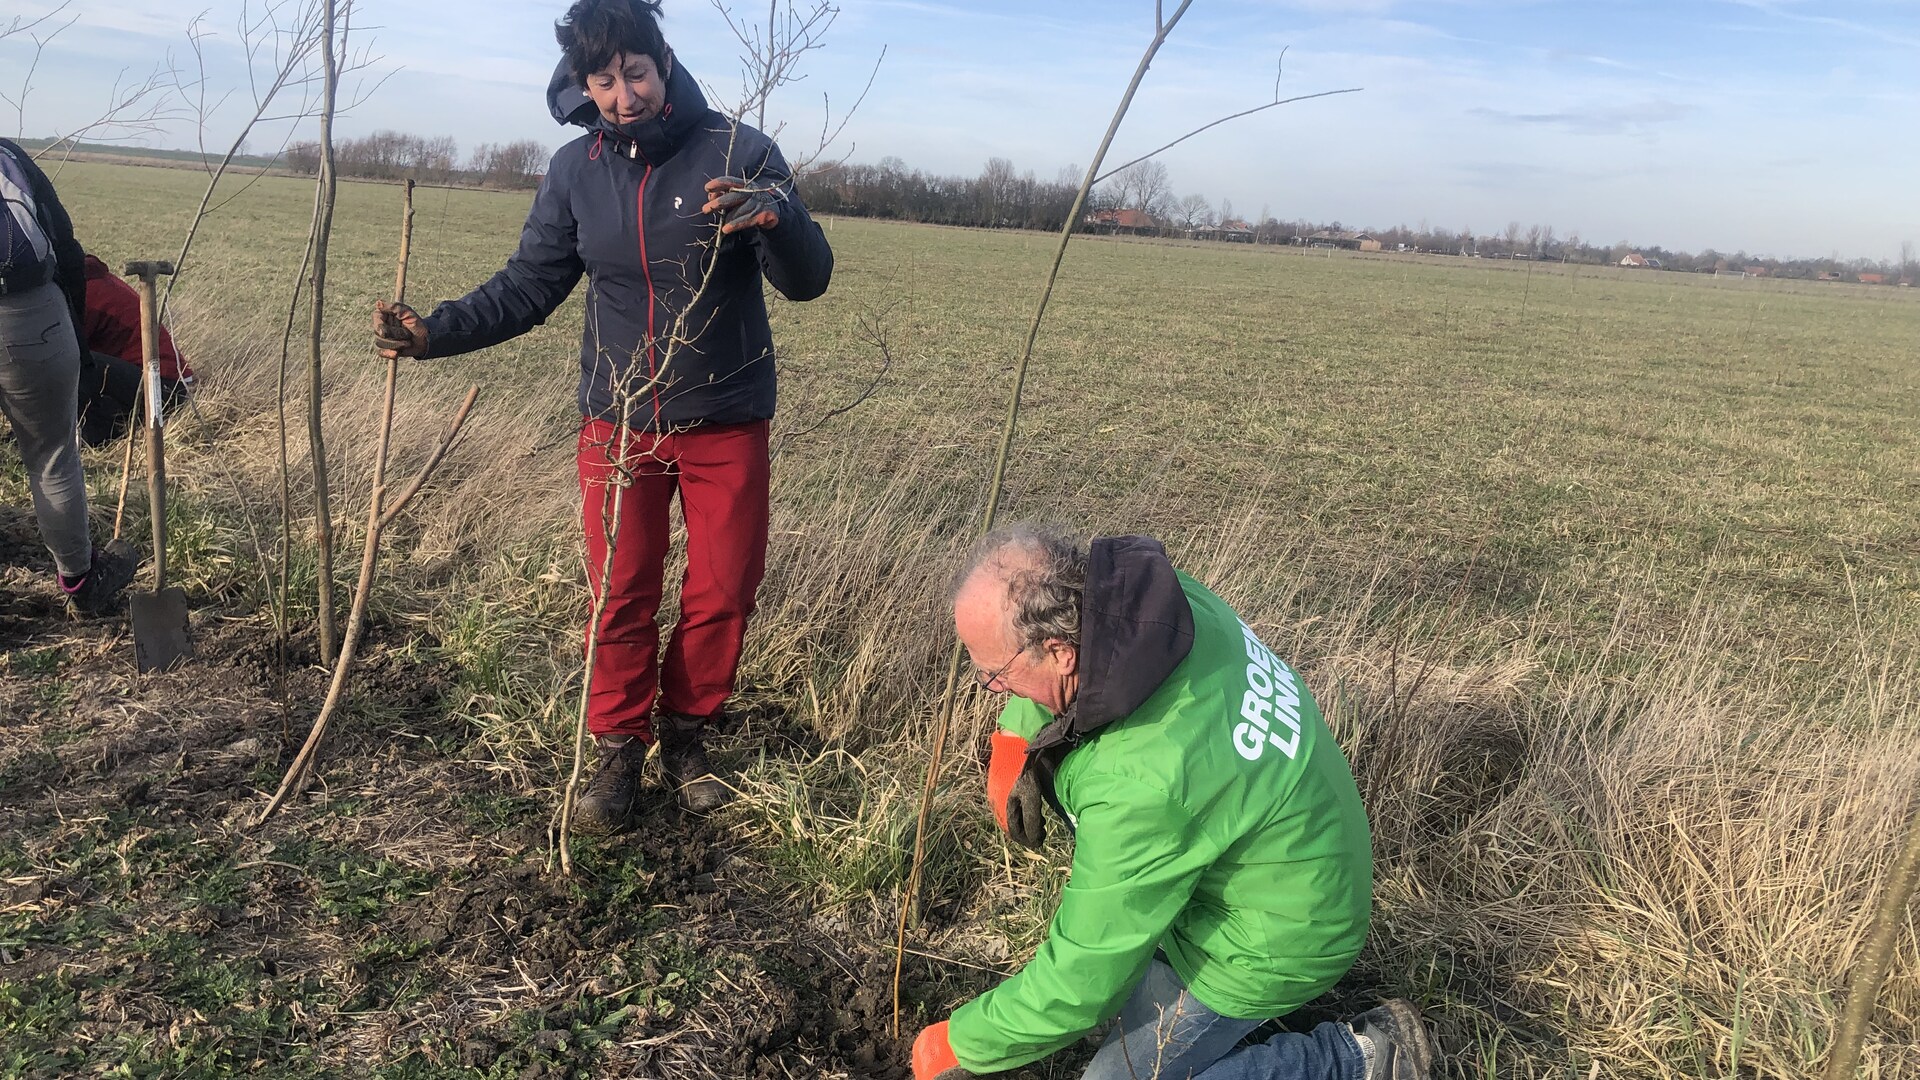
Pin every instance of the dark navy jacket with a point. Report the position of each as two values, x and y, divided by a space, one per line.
621 204
27 191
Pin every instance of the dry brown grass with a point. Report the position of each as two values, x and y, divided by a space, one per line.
1629 860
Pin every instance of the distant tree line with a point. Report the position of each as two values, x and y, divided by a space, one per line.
392 155
1001 197
1138 199
997 198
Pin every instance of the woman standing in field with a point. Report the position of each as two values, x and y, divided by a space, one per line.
674 213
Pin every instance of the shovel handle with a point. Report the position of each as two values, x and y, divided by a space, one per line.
156 440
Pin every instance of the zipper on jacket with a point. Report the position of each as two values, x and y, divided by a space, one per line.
646 270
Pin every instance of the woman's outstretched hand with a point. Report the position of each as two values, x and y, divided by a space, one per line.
398 331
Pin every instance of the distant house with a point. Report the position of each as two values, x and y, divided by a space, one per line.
1344 238
1828 275
1233 231
1634 259
1756 270
1122 221
1873 279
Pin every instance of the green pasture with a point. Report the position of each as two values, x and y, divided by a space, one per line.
1602 449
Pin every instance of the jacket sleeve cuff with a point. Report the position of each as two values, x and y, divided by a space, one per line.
442 338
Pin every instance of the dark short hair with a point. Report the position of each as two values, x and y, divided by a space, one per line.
595 31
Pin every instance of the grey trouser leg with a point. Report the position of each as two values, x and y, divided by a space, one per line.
39 392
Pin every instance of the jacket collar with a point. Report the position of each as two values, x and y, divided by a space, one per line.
1136 627
652 140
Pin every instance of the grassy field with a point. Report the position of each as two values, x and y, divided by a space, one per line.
1607 578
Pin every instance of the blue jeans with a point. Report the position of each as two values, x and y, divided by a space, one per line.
1164 1033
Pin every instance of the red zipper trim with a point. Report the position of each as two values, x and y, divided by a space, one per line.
646 270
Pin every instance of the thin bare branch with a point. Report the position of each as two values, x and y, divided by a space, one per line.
873 327
40 43
133 110
1224 119
803 163
20 24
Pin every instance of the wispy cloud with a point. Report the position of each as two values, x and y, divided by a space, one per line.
1340 7
1791 12
1597 119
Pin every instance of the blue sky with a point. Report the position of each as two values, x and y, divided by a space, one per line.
1781 127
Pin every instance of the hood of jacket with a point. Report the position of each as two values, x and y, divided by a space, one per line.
655 139
1135 628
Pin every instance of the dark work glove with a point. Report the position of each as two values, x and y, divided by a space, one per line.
1027 813
397 330
742 205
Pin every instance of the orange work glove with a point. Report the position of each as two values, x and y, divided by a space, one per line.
933 1058
1004 766
1012 793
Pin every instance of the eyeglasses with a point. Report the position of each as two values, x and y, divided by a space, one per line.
986 680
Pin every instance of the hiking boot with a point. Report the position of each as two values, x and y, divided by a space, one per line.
609 797
684 764
1397 1036
98 590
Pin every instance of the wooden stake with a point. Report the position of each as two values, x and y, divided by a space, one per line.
1876 955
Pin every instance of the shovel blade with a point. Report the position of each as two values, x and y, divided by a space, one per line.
160 629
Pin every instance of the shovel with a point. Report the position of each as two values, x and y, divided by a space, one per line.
159 617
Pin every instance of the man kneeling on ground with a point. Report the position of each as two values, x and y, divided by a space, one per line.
1222 870
110 370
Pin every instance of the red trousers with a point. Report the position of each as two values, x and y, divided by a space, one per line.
721 474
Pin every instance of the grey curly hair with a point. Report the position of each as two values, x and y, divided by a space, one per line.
1045 570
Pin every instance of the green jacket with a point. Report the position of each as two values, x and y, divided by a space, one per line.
1214 818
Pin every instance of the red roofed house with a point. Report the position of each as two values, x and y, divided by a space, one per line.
1123 220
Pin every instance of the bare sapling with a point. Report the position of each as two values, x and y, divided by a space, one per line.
909 898
283 604
316 436
284 36
380 514
619 478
